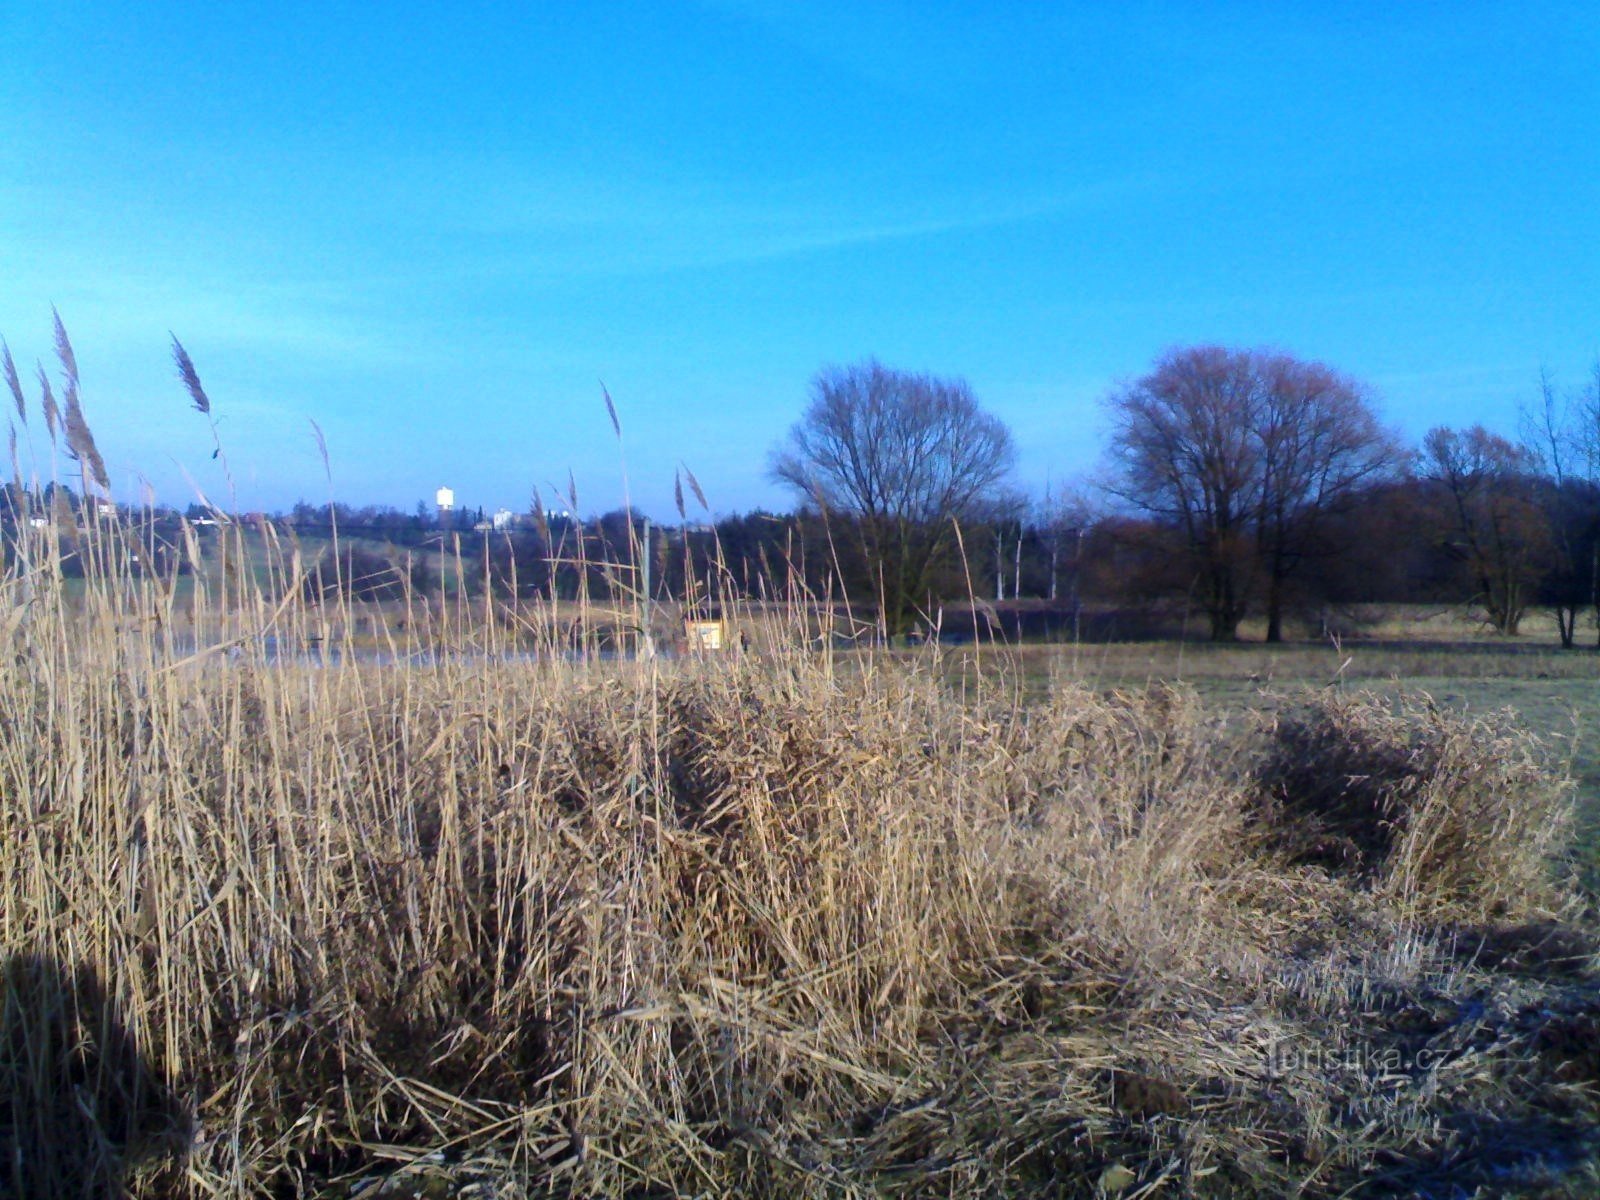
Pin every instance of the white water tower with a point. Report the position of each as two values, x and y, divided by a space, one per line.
446 500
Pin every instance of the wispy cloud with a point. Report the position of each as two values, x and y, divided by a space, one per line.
552 226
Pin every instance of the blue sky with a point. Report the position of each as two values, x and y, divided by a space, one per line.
435 228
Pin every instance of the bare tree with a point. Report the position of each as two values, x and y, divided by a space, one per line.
1548 438
1586 427
1321 444
1561 433
901 457
1494 522
1064 518
1246 453
1181 442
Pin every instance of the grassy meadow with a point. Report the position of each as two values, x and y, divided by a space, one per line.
453 905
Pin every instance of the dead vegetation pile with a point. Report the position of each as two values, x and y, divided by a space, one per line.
1445 816
480 927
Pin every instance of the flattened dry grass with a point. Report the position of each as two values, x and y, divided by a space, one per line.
750 926
1444 815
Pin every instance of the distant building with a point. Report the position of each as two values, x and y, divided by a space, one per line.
504 518
705 634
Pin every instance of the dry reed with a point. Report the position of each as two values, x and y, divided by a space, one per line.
465 905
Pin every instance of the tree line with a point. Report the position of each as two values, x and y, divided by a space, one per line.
1235 483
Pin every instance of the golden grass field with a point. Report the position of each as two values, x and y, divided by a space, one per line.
460 919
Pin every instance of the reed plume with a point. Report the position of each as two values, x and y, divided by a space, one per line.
47 402
10 369
694 486
69 360
80 440
190 377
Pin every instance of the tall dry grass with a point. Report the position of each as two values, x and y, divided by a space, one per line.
295 900
361 901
